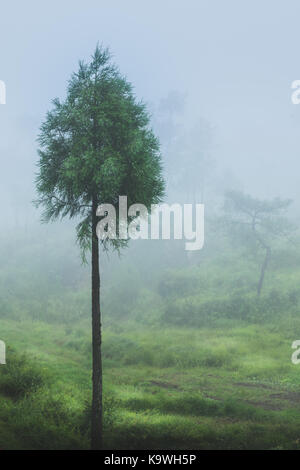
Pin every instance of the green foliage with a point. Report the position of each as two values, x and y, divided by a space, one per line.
258 215
20 377
193 404
95 146
237 307
110 411
214 374
255 224
178 283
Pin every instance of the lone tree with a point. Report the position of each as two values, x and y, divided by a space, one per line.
258 224
94 146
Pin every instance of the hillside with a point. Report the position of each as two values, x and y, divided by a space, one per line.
192 358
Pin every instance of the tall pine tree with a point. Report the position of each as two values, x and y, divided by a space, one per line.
95 146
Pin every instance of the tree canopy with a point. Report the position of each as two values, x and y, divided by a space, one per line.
256 224
95 145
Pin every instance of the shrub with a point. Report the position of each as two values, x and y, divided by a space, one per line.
192 312
20 377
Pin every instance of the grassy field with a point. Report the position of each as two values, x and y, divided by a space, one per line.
194 360
177 388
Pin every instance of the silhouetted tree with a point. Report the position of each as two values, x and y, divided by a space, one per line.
257 224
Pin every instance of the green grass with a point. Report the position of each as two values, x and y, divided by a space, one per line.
177 388
192 359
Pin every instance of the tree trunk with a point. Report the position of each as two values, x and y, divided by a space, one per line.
263 269
97 425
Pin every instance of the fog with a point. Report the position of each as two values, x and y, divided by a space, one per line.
186 334
234 63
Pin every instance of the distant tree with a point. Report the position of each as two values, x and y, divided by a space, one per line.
170 112
169 126
95 146
187 149
195 160
257 224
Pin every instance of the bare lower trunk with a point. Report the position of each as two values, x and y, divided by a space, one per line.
263 270
97 425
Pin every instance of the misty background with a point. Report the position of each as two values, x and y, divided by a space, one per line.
226 66
196 345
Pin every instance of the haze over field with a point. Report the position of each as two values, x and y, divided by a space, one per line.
197 346
233 61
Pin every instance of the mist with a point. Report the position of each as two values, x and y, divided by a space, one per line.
216 78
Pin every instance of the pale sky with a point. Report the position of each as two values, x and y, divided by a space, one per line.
234 60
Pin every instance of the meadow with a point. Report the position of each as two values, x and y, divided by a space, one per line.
193 359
